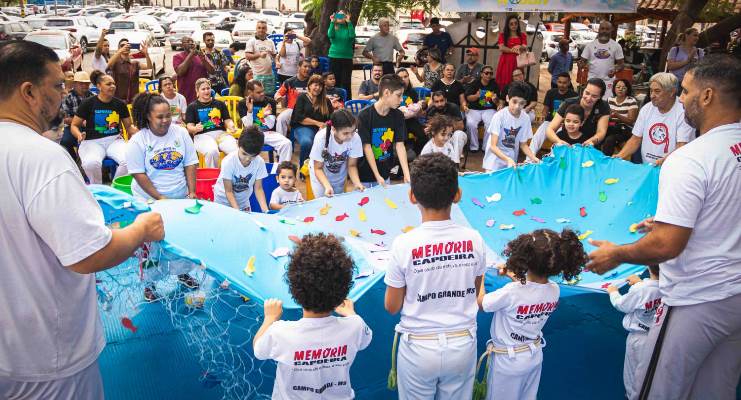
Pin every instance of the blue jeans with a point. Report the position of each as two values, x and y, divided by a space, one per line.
304 135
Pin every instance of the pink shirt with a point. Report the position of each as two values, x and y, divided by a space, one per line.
187 81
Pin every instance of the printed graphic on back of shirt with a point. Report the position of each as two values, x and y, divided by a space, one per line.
210 117
241 183
259 114
107 122
486 98
381 141
166 159
508 140
313 360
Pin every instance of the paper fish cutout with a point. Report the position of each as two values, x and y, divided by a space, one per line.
506 227
354 233
518 213
536 219
536 200
364 274
585 235
309 220
587 164
633 228
493 198
583 211
150 201
364 201
490 223
294 239
407 228
126 204
390 203
573 281
562 163
602 197
361 215
563 220
250 268
287 221
476 202
194 209
280 252
611 181
605 285
630 203
378 231
341 217
325 210
126 322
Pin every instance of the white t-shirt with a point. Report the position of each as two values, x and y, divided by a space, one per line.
261 65
447 149
289 62
283 197
511 131
639 305
177 107
100 63
438 263
700 188
49 321
335 161
163 159
602 57
314 356
243 179
662 131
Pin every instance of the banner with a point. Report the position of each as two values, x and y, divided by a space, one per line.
571 6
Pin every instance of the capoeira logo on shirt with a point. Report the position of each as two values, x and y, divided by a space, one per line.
659 134
241 183
736 151
326 355
538 311
508 140
210 117
602 54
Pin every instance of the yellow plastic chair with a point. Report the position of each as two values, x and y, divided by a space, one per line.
142 84
231 105
123 127
202 160
307 180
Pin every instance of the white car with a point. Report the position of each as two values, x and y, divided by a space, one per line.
411 40
64 44
245 30
298 25
298 15
222 39
181 29
84 31
581 38
154 25
99 22
194 16
136 39
273 16
35 23
550 45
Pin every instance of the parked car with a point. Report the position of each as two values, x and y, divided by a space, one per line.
273 16
358 59
99 22
136 39
194 16
181 29
14 30
298 25
63 43
550 45
411 40
222 38
581 38
36 23
153 24
223 22
84 31
554 27
298 15
245 30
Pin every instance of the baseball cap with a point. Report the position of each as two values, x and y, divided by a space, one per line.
81 76
472 50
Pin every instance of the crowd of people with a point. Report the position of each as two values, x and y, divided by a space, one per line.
690 126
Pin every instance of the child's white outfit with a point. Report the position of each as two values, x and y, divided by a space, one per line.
243 179
447 149
511 131
335 157
284 197
521 311
639 306
314 355
163 160
438 263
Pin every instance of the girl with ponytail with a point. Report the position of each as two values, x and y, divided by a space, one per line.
334 155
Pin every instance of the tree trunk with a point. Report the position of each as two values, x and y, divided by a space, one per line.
720 31
319 40
354 7
688 14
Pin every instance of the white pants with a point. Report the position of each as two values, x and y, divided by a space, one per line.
473 117
84 385
210 143
634 350
515 378
281 144
282 125
539 137
92 152
436 369
459 143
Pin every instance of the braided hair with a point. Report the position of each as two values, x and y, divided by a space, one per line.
546 253
142 105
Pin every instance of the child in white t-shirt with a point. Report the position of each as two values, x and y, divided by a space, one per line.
440 129
286 192
335 156
523 306
314 354
639 306
508 132
242 172
433 277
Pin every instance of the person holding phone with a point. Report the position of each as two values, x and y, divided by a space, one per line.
125 71
290 54
102 52
341 35
190 65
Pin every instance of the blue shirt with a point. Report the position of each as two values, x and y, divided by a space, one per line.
443 41
559 63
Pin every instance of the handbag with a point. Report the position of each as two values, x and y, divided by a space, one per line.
525 59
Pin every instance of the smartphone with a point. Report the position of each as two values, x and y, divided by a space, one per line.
134 46
291 36
339 16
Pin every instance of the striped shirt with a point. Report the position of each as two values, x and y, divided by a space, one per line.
630 103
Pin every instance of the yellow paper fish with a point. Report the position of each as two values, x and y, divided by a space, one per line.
355 233
585 235
250 268
611 181
325 210
633 228
587 164
361 215
407 228
390 203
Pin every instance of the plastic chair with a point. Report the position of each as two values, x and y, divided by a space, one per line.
213 93
271 152
423 93
366 70
225 92
94 90
110 167
142 84
324 64
343 93
356 105
152 86
123 127
269 183
277 38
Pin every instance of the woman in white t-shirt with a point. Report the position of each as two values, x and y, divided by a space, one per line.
290 54
523 306
177 101
334 155
161 157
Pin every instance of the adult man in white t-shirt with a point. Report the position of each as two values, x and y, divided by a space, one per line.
661 127
695 236
605 57
260 51
51 331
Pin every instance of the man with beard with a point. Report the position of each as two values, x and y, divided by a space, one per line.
218 60
260 51
369 89
190 65
696 237
604 56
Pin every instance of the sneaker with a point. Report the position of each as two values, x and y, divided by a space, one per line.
150 295
188 281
